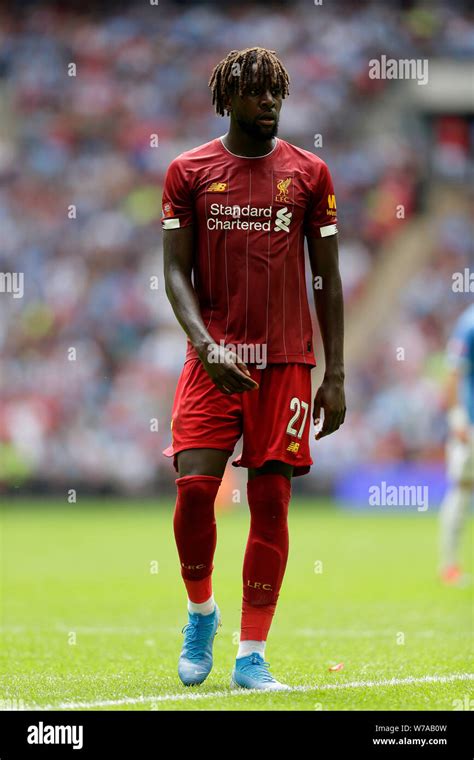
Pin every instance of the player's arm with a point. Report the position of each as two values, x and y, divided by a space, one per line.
228 373
324 259
457 353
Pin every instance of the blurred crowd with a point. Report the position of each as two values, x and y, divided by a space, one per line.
92 112
397 397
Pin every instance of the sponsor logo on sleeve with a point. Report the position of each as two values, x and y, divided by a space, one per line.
167 210
331 211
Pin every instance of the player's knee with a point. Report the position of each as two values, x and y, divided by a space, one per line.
196 498
269 498
202 487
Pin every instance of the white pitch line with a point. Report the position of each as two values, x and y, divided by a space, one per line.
245 692
89 629
304 632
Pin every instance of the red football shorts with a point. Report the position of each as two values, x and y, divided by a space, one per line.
274 419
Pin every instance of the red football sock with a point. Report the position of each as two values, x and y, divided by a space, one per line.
266 553
195 532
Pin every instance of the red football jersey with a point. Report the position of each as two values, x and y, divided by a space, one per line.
250 218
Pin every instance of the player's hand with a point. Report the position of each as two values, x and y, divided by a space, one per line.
458 424
227 371
330 397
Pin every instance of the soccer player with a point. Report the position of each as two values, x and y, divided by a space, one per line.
460 444
236 212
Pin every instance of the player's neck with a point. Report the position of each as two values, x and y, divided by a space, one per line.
242 144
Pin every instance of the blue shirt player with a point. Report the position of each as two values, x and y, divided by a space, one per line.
460 444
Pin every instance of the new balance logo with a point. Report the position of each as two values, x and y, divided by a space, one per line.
283 219
217 187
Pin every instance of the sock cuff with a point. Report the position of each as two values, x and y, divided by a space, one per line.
185 479
199 591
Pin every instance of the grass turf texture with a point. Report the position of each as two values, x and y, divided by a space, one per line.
85 571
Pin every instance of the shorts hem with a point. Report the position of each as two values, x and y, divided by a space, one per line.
299 468
172 452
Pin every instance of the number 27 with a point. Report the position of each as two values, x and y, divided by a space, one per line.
297 404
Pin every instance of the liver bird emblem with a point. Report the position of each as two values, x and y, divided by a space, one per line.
282 187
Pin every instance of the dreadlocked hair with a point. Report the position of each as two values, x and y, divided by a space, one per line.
235 74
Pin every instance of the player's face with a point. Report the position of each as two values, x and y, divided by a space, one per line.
257 111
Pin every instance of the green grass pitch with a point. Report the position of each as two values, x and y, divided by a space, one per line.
93 606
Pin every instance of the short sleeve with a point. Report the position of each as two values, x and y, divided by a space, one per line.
177 202
321 215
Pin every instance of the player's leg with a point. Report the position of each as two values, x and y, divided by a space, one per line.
200 475
460 464
205 426
452 516
266 553
269 493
